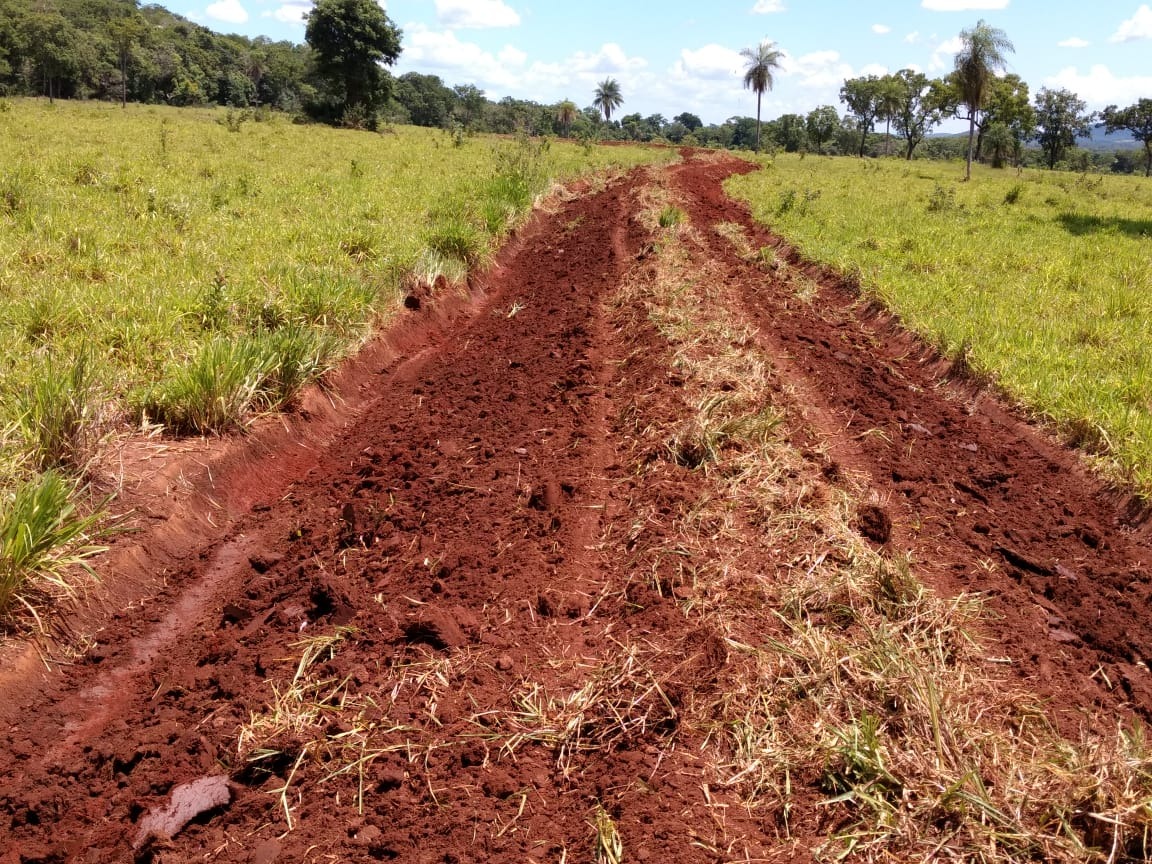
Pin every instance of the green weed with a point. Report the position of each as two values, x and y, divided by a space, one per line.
42 538
57 413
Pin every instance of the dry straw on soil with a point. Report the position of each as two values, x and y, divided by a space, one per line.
855 703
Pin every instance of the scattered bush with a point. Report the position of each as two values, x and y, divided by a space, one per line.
942 199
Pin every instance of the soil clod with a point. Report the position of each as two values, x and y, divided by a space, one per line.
873 522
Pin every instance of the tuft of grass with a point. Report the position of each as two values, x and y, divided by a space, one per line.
57 413
43 540
455 234
213 393
295 357
670 217
607 847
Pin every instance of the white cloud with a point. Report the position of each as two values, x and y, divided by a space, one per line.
1074 42
945 53
913 37
820 70
510 55
228 10
712 62
291 12
1100 87
766 7
881 29
475 14
963 5
1139 26
509 72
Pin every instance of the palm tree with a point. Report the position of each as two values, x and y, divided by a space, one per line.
608 97
762 60
981 56
565 114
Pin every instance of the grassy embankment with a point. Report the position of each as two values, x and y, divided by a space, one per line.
1043 280
194 267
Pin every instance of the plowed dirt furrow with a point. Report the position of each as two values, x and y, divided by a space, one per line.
471 631
399 657
983 501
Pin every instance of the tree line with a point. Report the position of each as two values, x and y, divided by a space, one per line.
121 50
1001 116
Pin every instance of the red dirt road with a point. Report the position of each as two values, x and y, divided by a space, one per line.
391 654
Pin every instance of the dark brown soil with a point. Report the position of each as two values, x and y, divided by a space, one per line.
448 522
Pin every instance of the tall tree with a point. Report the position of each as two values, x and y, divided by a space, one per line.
862 96
608 97
922 106
888 102
352 40
51 41
565 114
822 124
762 61
1061 118
690 121
1136 119
124 33
982 54
790 131
470 103
998 143
1008 102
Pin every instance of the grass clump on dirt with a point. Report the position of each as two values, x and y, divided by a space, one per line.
1044 275
854 708
43 540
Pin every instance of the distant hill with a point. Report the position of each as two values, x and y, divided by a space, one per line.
1099 140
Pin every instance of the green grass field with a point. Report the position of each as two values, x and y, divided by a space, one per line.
194 267
1044 279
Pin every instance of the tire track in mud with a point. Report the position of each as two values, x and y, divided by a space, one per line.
982 500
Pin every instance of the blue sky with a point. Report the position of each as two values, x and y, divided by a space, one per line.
676 55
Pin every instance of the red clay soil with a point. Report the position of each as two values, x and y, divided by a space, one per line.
451 536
